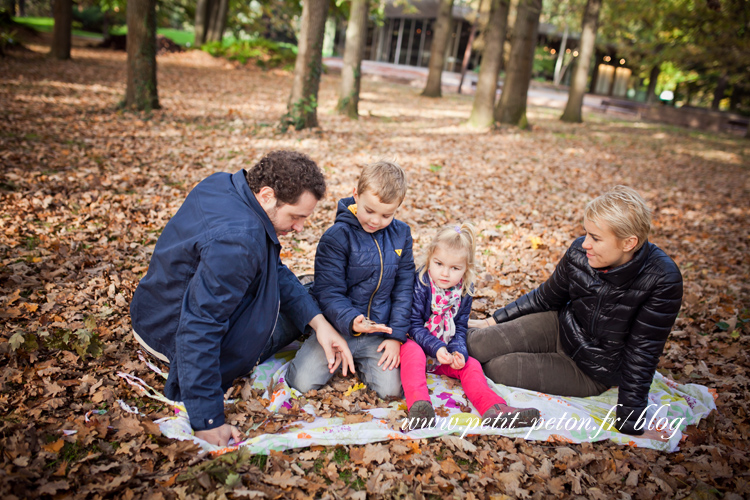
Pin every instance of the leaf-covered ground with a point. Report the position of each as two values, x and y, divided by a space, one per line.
85 191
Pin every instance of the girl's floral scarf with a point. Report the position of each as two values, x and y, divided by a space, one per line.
444 306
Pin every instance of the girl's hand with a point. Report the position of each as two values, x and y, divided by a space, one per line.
391 354
458 361
482 323
444 357
362 325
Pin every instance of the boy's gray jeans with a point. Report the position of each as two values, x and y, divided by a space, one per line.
526 353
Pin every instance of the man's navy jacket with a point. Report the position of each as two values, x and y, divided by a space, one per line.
212 294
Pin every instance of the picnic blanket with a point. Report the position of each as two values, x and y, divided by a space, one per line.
672 406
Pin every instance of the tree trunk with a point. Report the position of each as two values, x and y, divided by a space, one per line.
201 21
747 132
482 113
62 11
217 20
21 8
351 72
467 52
577 90
721 88
512 106
141 93
560 56
441 37
303 101
653 78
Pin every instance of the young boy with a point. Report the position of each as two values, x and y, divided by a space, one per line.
364 275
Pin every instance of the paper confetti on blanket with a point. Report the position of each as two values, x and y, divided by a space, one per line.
565 419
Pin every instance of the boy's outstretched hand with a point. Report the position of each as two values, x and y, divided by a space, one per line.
391 357
334 345
364 325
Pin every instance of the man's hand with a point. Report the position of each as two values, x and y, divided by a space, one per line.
333 344
444 357
363 325
219 436
391 354
482 323
458 361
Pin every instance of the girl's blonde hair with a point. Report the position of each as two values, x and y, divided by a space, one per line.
454 237
624 211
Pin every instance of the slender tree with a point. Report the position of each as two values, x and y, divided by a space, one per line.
440 37
512 106
62 11
210 20
351 72
482 113
141 93
577 90
303 101
653 77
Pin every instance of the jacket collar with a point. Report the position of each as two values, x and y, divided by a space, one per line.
625 273
239 180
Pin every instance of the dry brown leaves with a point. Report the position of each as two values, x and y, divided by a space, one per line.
85 191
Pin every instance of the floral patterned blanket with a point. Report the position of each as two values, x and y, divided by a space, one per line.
672 407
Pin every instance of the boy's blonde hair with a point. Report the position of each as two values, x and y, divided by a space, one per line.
386 179
461 238
624 211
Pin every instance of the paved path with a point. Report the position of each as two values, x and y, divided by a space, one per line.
539 94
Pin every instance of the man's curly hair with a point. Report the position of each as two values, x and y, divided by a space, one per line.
289 174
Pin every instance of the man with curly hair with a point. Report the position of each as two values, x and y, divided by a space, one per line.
217 300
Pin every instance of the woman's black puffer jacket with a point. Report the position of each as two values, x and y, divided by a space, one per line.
613 323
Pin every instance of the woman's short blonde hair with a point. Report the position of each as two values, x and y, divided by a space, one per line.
386 179
624 211
456 238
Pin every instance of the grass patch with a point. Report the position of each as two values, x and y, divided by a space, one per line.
265 53
47 24
180 37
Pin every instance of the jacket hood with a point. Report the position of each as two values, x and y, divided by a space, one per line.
346 210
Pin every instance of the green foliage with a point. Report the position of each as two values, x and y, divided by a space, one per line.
544 63
265 53
270 19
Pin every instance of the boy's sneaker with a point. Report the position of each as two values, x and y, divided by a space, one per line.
524 417
421 416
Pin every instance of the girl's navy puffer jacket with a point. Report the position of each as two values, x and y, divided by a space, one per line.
357 272
421 310
613 323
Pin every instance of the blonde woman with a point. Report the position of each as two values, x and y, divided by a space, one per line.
600 320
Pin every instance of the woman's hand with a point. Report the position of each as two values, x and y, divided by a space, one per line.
656 435
444 357
391 354
482 323
458 361
362 325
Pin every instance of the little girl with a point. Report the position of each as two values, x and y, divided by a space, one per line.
443 291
